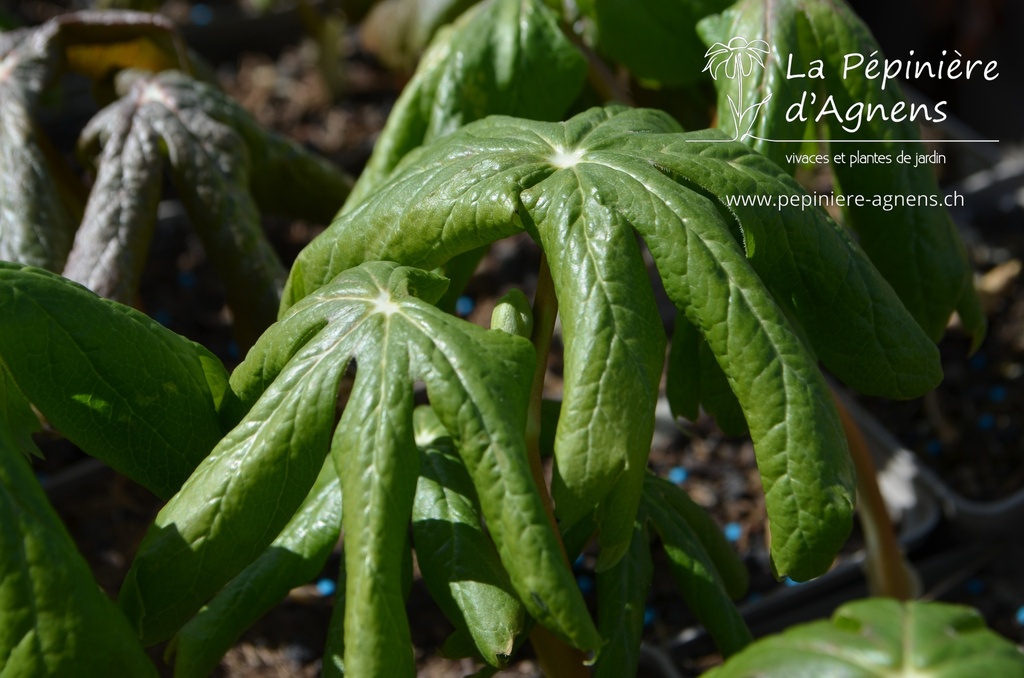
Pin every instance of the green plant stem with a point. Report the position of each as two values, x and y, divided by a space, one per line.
599 75
557 659
545 310
887 570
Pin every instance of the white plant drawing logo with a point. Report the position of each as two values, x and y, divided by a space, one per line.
736 61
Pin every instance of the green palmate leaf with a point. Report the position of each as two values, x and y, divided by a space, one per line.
614 358
720 552
582 189
459 564
882 637
915 247
294 558
484 409
241 496
123 388
811 266
621 602
655 40
54 620
505 56
698 578
35 227
376 458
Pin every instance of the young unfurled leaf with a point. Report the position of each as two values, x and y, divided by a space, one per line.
240 496
294 558
223 167
504 56
54 620
167 115
698 578
36 228
119 385
583 188
120 216
512 314
459 564
36 224
916 247
210 168
882 637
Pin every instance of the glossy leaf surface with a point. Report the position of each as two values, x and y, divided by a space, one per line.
582 189
882 637
118 384
54 619
459 564
293 559
504 56
252 483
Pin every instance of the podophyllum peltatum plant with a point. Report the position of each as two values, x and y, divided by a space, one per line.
260 473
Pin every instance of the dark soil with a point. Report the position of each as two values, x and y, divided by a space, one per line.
970 429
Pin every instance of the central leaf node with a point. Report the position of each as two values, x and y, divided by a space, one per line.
385 304
563 159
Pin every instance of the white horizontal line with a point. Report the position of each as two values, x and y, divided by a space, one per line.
852 141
